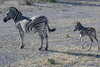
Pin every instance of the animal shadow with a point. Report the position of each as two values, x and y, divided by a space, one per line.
76 53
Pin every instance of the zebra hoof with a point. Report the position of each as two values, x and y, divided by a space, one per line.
46 49
21 47
40 48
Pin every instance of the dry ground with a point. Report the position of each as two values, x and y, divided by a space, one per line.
64 47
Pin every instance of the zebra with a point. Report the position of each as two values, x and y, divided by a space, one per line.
86 31
29 25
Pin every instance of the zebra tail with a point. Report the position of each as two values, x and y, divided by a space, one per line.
49 29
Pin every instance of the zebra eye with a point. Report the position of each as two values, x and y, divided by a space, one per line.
8 13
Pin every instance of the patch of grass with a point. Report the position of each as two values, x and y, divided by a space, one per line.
64 9
52 61
1 1
30 2
50 0
68 36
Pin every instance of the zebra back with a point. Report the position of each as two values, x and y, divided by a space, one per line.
37 23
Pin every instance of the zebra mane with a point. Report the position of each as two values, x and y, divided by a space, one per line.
78 23
80 26
15 10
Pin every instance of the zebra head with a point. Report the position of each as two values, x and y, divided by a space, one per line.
78 26
12 13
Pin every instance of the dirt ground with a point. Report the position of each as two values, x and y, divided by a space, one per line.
64 46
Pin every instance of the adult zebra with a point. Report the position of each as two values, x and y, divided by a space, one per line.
29 25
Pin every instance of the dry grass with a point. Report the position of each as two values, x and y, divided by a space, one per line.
64 47
1 1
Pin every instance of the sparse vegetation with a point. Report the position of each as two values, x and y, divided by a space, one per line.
50 0
68 36
1 1
51 61
30 2
64 46
64 9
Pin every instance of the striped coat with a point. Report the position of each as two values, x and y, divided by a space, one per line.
31 26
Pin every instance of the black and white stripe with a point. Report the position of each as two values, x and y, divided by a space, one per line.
37 24
86 31
29 25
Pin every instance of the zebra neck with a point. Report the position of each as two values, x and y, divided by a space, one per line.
17 19
82 28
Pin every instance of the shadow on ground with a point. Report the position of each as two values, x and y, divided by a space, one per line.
77 53
80 4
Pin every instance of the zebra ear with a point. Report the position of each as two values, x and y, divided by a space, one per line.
9 8
12 8
78 23
75 22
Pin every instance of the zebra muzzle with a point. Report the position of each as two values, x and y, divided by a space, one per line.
4 20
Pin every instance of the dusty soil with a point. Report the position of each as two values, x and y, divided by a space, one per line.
64 46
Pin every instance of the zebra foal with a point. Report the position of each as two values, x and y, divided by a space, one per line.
29 25
86 31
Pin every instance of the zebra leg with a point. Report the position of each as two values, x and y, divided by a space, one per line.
46 39
21 33
91 39
96 41
42 38
81 40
